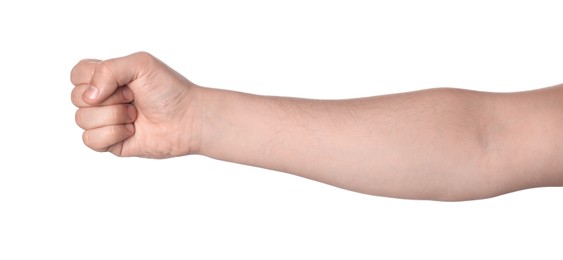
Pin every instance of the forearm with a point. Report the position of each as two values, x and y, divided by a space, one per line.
423 145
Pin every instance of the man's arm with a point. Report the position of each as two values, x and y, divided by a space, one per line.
442 144
432 144
439 144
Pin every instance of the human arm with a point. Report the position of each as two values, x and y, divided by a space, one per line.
440 144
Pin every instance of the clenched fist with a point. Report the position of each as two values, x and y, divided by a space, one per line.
135 106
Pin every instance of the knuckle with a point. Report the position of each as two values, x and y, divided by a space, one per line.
86 139
78 71
76 97
89 61
103 68
144 58
79 118
143 55
116 112
104 73
74 74
114 132
92 143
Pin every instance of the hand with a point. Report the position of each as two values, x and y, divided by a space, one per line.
135 106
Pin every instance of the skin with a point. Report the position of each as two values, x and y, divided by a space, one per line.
435 144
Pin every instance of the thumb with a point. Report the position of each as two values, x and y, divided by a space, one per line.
113 73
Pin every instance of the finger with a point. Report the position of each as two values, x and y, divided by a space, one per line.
121 96
82 72
112 73
101 139
94 117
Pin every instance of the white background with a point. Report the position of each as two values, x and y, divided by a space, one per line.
59 200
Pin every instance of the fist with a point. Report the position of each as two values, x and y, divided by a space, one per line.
135 106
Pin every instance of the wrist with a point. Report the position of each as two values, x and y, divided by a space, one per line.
228 124
209 108
194 124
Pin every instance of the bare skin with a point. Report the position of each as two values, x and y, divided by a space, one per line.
436 144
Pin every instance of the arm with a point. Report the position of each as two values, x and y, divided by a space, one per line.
442 144
426 145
